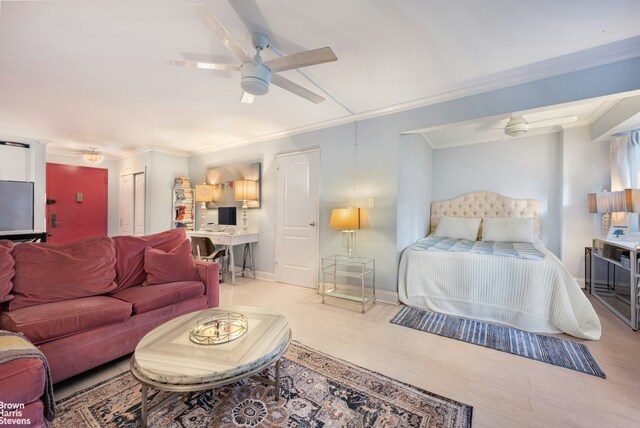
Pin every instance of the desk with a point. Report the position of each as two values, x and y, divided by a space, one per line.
230 240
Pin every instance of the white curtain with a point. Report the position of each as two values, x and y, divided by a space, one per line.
620 163
634 159
625 170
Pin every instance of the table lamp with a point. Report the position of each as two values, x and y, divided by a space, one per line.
606 203
347 219
204 194
245 191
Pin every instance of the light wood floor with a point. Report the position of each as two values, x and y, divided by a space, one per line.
504 390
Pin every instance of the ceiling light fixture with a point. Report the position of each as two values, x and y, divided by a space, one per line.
93 156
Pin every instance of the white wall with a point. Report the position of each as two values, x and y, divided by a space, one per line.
161 169
161 174
524 167
414 189
585 170
339 169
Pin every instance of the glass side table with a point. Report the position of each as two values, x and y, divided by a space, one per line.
350 278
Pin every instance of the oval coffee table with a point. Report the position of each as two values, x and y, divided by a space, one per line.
168 360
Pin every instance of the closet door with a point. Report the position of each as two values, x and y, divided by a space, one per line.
139 203
127 204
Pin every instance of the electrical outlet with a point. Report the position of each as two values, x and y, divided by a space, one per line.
372 202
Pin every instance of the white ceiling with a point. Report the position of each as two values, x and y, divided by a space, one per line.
82 73
475 131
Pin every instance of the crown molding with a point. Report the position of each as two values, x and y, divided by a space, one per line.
573 62
152 149
74 153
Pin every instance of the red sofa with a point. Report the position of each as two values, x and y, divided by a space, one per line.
88 302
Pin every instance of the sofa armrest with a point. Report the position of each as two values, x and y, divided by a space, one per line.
209 274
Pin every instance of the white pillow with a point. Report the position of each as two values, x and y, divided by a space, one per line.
508 229
458 228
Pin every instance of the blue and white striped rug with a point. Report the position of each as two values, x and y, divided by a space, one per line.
550 350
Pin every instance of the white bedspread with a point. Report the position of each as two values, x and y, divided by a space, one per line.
533 295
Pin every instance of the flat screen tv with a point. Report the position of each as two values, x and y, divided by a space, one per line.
227 215
16 205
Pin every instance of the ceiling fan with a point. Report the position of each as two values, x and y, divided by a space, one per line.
256 74
515 126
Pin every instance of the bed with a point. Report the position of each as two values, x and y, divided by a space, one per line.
526 288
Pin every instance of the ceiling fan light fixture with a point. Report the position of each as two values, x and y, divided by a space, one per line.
515 132
255 78
517 126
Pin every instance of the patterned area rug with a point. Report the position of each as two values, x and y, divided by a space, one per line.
317 391
550 350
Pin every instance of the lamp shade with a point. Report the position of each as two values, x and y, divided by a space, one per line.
622 201
345 218
592 202
246 190
204 193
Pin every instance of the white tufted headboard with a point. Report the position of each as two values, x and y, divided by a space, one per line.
485 204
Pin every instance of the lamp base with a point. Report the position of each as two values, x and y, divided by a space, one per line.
244 216
203 215
350 237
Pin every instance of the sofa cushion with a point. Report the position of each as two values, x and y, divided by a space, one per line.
130 254
6 268
176 265
146 299
21 380
48 273
59 319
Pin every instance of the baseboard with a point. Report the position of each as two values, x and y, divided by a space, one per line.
265 276
387 297
580 282
383 296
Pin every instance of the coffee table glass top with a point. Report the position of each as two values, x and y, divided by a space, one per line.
167 355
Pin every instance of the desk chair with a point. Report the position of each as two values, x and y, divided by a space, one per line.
204 249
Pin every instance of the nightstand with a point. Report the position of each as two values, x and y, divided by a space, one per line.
350 278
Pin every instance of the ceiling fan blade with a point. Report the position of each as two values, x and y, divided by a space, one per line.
203 65
229 41
296 89
553 122
247 98
302 59
493 125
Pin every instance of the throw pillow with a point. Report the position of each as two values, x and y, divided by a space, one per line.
508 229
176 265
130 252
458 228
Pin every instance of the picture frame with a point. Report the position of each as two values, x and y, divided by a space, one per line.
620 232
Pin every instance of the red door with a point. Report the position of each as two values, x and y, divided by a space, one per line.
76 202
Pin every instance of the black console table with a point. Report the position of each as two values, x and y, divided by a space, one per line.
24 236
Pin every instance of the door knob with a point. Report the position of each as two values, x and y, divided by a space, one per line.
313 223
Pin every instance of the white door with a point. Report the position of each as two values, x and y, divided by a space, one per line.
297 204
127 201
139 201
